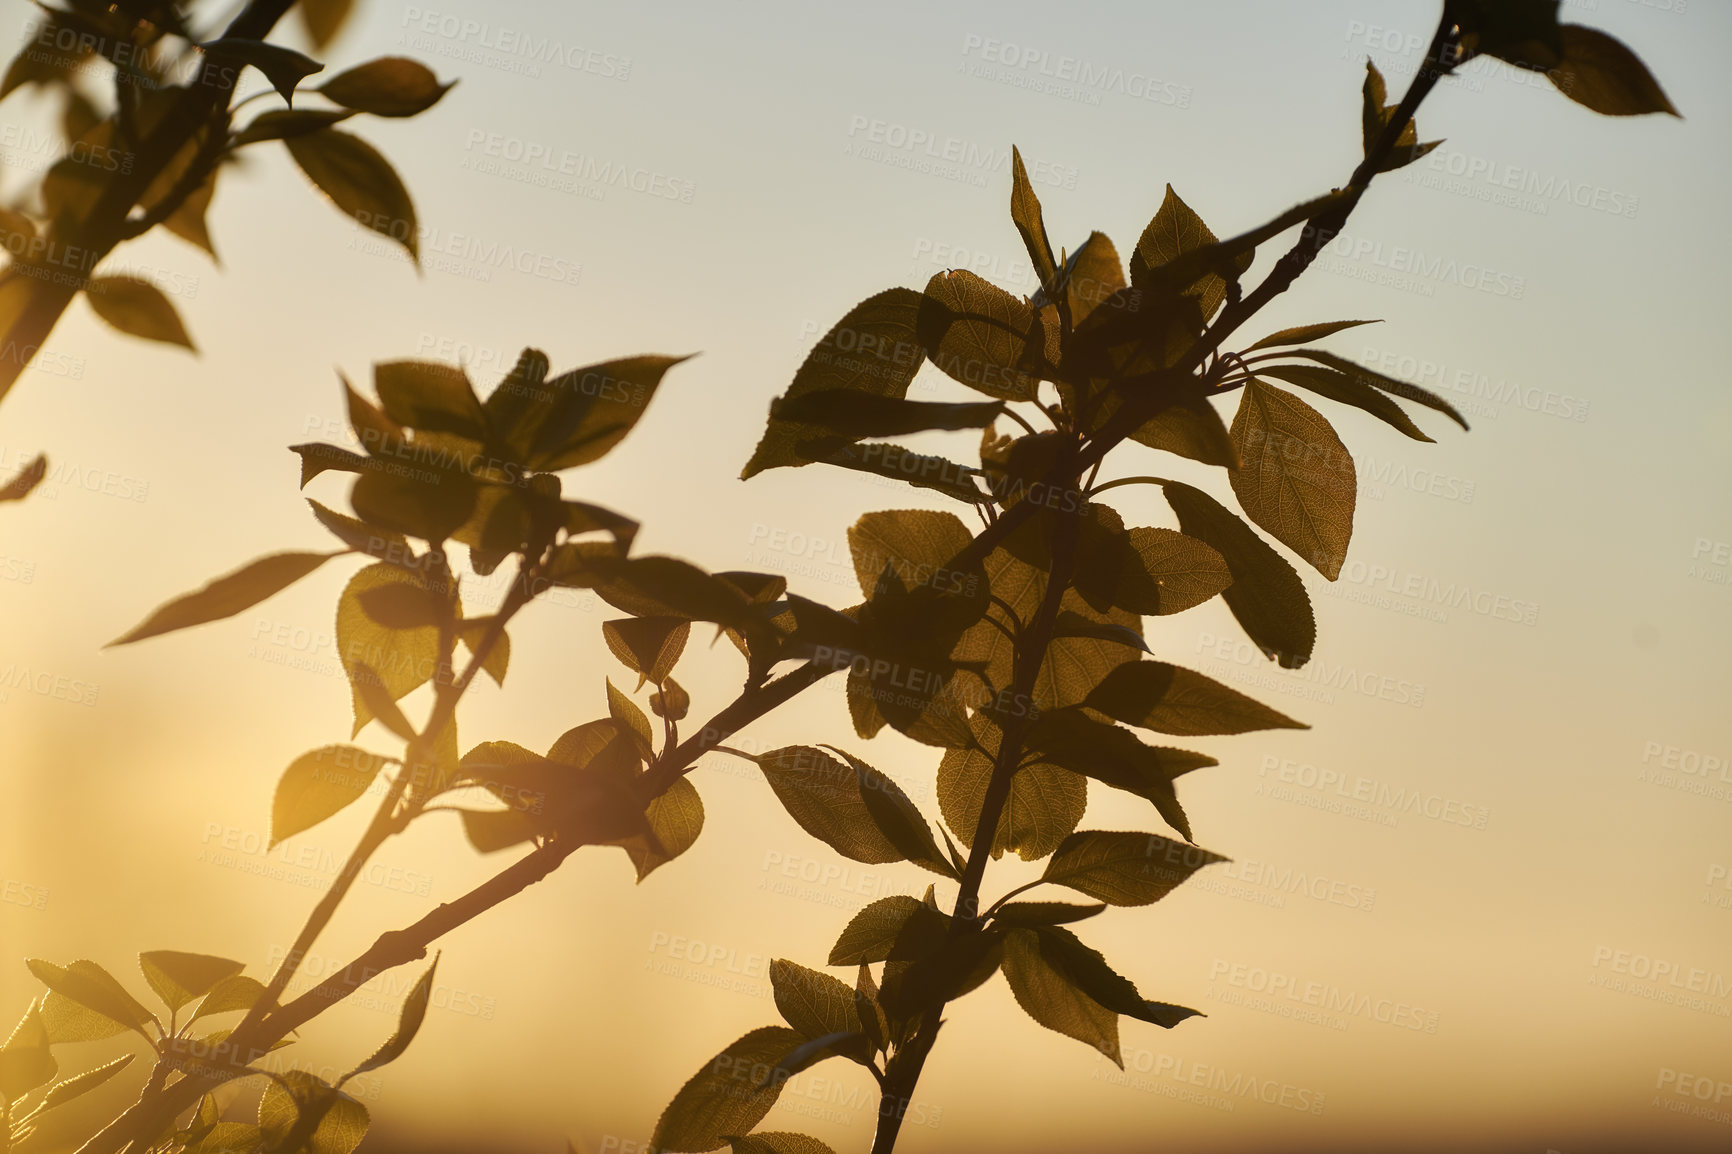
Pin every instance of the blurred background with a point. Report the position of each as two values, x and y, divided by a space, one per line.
1506 842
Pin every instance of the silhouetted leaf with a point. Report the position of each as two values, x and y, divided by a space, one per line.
94 988
1349 390
237 992
672 702
1296 478
1045 913
1375 116
228 595
826 798
1600 72
856 415
283 123
319 784
1390 385
1124 869
777 1142
1169 573
1070 624
27 479
68 1021
388 86
498 660
179 977
1045 802
378 702
1522 32
63 1092
818 1006
1194 265
729 1095
409 1020
871 934
1266 596
1303 333
655 586
875 349
136 307
1075 741
399 660
360 182
986 338
873 1022
25 1059
1053 1000
1174 231
283 67
430 395
897 818
921 470
648 646
1025 214
1170 699
360 536
1089 971
676 818
578 416
1190 428
489 831
301 1113
323 19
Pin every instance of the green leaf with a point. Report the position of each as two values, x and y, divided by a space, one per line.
25 1059
986 338
228 595
676 818
94 988
777 1142
397 660
1025 214
136 307
300 1113
1600 72
827 799
1124 869
318 785
360 182
897 818
1390 385
1266 596
1348 390
1296 478
1089 971
1169 572
234 993
874 349
430 395
871 934
1045 913
729 1095
63 1092
283 67
857 415
1045 801
388 86
67 1021
818 1006
648 646
283 123
409 1020
1302 334
1170 699
179 977
1053 1000
1174 231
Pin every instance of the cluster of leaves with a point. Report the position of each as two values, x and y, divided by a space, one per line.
298 1111
1018 651
161 140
